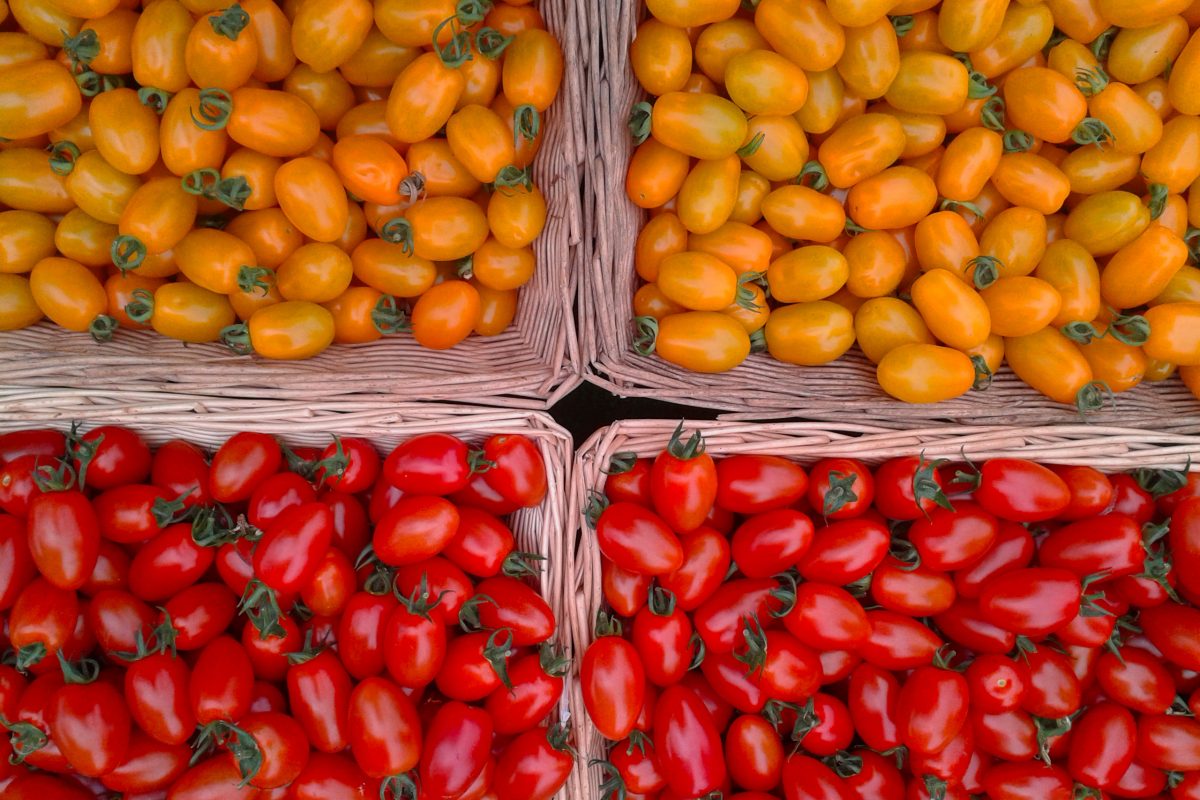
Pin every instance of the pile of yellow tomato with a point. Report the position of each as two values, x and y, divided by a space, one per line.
277 175
950 185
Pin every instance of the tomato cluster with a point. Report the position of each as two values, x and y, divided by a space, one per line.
275 174
913 631
952 185
274 623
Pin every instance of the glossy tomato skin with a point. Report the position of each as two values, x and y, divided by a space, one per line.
156 690
1175 631
534 694
840 488
120 456
1091 491
455 750
416 528
706 558
1033 602
91 725
41 621
996 683
221 682
32 442
896 483
200 613
518 607
873 695
637 539
432 463
1111 544
932 708
168 563
318 696
361 631
1026 781
683 487
243 462
898 642
1130 499
1103 745
1021 491
688 743
64 537
289 553
951 540
913 589
216 777
481 543
844 551
614 686
182 469
277 494
1168 742
332 777
631 485
384 729
805 778
827 617
1012 549
17 568
519 474
414 648
148 765
1183 538
718 620
771 542
749 484
1053 690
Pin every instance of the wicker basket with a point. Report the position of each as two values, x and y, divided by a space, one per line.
209 422
761 383
530 365
1109 449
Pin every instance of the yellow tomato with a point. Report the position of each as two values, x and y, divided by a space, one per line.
502 268
882 324
809 334
754 312
1175 160
1118 365
721 41
1091 170
945 241
446 228
316 272
213 259
688 13
1070 269
378 61
517 216
291 330
698 125
159 214
85 239
954 311
925 373
35 98
423 98
700 341
325 35
698 281
895 198
1191 379
533 69
803 31
875 262
970 24
386 267
708 193
1184 287
1016 238
1145 12
311 195
871 59
656 172
1104 223
969 162
1135 125
649 301
1023 32
26 238
1140 270
662 236
28 183
185 145
764 82
480 139
799 212
826 97
496 310
861 147
269 233
18 309
272 122
928 83
742 247
752 189
67 292
1030 179
781 152
125 130
1021 306
661 57
99 188
1051 364
807 273
1174 333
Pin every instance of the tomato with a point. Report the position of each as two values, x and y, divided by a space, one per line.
844 551
613 684
688 743
41 621
1018 781
325 37
125 130
534 766
91 726
455 749
1171 629
423 98
243 462
1172 333
221 682
216 777
805 778
311 195
67 292
537 686
290 550
1111 544
1102 745
1054 690
148 765
754 753
911 589
35 98
1168 742
1137 680
1021 491
1032 601
63 537
517 473
517 607
221 50
931 708
200 614
996 683
706 558
361 633
928 83
907 488
384 730
282 745
156 690
897 641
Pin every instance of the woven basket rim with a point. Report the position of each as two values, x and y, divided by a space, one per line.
207 421
1106 448
533 364
761 385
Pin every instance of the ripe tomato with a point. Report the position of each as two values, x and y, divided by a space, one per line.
1021 491
63 537
360 633
156 691
455 749
706 559
845 551
241 463
996 683
290 551
221 682
534 766
689 745
614 685
384 730
91 726
898 642
1168 742
827 616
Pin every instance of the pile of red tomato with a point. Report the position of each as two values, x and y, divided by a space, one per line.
911 631
952 185
274 623
275 174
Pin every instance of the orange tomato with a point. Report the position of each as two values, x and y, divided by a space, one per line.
1140 270
708 193
649 301
1184 287
354 313
311 195
662 236
516 216
221 49
502 268
445 315
423 98
925 373
697 281
187 147
1079 19
386 267
533 69
799 212
809 334
1020 306
158 215
954 311
803 31
752 189
1051 364
18 309
1117 365
294 329
944 240
1134 124
1016 238
742 247
1044 103
35 98
1023 32
119 290
928 83
99 188
258 171
702 341
269 233
688 13
446 228
370 168
970 24
325 35
272 122
875 264
83 238
871 59
378 61
860 148
25 239
328 94
1174 333
779 144
1091 170
808 273
1175 160
125 130
411 23
661 57
27 182
159 39
1070 269
481 141
698 125
1032 180
895 198
213 259
1104 223
190 313
273 38
67 292
721 41
316 272
882 324
968 163
656 173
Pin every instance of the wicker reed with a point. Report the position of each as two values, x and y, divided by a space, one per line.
531 365
1106 448
210 421
762 384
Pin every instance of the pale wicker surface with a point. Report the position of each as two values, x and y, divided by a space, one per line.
762 384
210 421
1106 448
531 365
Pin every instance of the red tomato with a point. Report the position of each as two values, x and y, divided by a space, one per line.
91 726
638 540
473 666
898 642
17 484
840 488
416 528
156 689
276 494
64 537
1027 781
771 542
534 766
1102 745
181 468
688 743
359 471
482 544
908 487
1170 742
109 456
951 540
833 729
932 708
719 619
845 551
1032 602
805 778
32 442
1021 491
319 696
683 482
827 617
1012 549
613 683
628 482
873 695
41 622
168 563
456 747
148 765
1136 679
332 777
281 743
1130 499
1053 691
753 753
127 513
877 777
662 634
910 589
241 464
290 551
949 764
200 613
514 605
1174 630
384 729
431 463
360 633
1111 545
221 682
706 558
442 581
217 778
269 654
537 685
518 473
16 563
351 527
997 683
750 484
414 647
625 592
1091 491
1183 539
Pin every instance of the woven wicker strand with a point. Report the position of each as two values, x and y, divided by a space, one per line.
1110 449
210 421
761 385
531 365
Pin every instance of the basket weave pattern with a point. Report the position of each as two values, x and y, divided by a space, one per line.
1107 449
761 384
161 417
534 362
